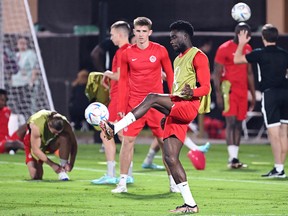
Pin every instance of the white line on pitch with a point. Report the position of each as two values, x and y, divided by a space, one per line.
165 175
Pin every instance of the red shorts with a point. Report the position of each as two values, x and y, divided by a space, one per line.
27 145
238 106
2 146
152 118
2 142
182 113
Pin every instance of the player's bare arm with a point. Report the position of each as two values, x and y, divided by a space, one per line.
218 68
35 145
243 39
74 147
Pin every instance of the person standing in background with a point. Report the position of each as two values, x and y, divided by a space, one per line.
231 83
273 78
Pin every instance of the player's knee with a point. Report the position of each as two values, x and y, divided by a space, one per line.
151 97
170 160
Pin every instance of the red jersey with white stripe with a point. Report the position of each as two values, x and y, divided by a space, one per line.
5 113
142 68
235 73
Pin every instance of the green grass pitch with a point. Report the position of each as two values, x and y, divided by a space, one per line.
217 190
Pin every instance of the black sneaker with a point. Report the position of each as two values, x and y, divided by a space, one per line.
274 174
108 129
186 209
236 164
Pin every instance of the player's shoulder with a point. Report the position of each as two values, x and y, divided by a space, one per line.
155 44
5 110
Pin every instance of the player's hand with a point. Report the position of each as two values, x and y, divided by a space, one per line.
243 37
67 167
56 167
219 101
104 82
187 91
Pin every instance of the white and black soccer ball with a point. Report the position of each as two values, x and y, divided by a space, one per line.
241 12
95 113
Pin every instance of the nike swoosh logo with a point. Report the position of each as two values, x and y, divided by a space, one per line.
134 59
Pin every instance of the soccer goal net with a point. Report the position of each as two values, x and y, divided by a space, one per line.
22 72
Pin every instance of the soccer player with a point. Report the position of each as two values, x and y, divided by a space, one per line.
231 83
7 143
119 32
273 78
48 131
190 94
141 66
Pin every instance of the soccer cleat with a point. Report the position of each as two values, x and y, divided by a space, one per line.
204 148
174 189
274 174
153 166
108 129
186 209
62 176
129 180
236 164
102 149
105 180
120 189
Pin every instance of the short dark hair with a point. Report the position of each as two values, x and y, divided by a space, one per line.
181 25
56 121
122 25
242 26
143 21
4 92
270 33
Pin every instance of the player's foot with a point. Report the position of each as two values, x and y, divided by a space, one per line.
105 180
62 176
129 180
274 174
174 189
204 148
236 164
108 129
120 189
153 166
186 209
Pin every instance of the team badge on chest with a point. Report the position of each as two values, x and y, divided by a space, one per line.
152 59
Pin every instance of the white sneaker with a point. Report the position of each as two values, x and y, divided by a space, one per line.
174 189
62 176
120 189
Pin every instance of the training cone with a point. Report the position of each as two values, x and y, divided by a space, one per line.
197 158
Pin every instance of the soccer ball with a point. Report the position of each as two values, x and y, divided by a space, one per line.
95 113
241 12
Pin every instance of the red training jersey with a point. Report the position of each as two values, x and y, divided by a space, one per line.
235 73
5 113
116 63
142 69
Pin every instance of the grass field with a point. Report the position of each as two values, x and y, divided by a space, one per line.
217 190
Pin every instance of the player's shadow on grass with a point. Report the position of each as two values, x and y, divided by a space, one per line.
246 170
145 196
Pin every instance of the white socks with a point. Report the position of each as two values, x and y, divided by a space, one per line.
279 167
111 168
63 162
123 179
232 151
124 122
150 156
186 193
190 144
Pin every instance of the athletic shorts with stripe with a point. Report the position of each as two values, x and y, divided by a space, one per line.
182 113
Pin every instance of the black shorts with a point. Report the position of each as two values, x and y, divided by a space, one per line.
275 107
